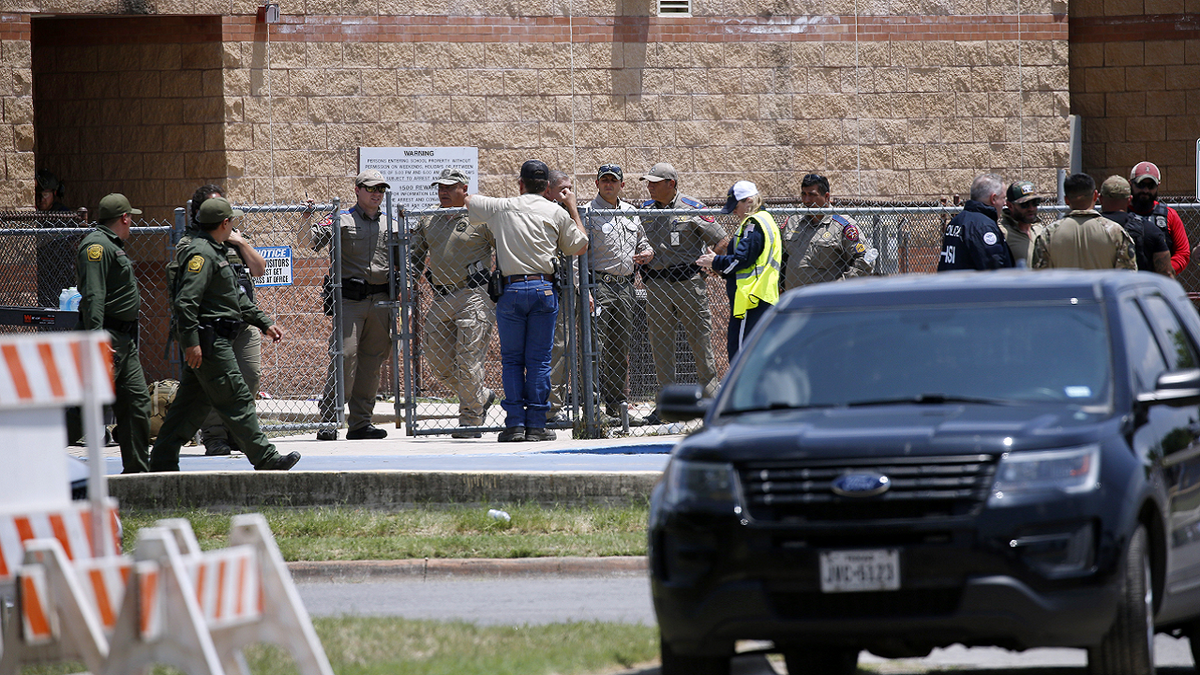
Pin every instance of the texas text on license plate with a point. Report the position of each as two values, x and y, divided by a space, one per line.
866 570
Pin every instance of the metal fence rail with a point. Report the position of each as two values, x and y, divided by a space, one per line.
37 260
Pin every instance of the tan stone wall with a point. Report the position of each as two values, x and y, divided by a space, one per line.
130 105
888 104
16 112
1134 65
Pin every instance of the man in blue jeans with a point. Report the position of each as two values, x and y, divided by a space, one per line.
528 231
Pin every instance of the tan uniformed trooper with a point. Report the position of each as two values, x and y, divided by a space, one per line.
823 248
1084 239
366 329
458 325
676 293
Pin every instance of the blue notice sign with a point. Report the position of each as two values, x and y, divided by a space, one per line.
279 266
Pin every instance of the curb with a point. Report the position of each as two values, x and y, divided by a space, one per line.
445 568
378 489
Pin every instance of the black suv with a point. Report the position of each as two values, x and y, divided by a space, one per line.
899 464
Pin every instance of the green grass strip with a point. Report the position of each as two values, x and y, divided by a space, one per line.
382 646
341 534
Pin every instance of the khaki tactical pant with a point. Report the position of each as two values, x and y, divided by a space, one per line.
458 328
247 349
217 381
367 343
671 303
616 303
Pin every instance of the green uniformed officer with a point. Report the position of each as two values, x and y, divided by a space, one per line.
110 301
247 347
209 312
676 293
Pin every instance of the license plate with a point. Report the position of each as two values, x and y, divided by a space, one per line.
853 571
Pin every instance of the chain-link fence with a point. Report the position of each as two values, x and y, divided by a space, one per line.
453 351
294 370
446 362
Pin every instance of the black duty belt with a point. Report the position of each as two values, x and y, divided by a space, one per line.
614 278
676 273
226 328
124 327
528 277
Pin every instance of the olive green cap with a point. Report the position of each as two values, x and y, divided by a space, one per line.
216 210
113 206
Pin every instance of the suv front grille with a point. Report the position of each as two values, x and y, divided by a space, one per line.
920 488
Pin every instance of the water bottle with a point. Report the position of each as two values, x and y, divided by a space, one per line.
64 298
496 514
75 299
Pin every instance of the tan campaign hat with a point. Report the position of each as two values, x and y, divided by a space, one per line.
371 178
114 205
662 171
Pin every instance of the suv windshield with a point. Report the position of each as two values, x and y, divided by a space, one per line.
1002 354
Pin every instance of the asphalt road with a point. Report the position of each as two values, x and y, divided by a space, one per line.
626 598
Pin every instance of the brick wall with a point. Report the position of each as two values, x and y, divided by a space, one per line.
1134 67
130 105
911 101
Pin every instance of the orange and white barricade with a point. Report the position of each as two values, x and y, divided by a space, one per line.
207 606
43 534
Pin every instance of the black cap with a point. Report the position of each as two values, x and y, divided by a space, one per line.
535 169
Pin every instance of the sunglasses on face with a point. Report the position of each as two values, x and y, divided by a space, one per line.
375 189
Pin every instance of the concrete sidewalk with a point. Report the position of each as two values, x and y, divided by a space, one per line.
401 471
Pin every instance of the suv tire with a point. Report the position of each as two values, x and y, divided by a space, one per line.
1128 647
819 661
674 663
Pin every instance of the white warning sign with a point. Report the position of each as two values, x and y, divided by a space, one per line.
411 170
279 266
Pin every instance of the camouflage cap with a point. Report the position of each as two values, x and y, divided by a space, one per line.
451 177
1021 191
113 206
1115 187
370 178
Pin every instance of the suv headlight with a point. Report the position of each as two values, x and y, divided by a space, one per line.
1070 470
707 485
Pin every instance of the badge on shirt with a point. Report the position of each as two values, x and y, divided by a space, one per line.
674 238
989 238
196 263
95 252
859 248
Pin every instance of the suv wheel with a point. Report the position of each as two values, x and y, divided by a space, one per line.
818 661
674 663
1128 648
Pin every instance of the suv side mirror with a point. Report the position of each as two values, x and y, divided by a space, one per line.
682 402
1177 388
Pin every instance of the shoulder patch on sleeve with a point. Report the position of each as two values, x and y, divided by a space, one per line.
196 263
95 252
850 232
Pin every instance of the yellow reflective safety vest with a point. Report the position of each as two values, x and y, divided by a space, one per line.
759 283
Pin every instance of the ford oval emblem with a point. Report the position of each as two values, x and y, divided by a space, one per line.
861 484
